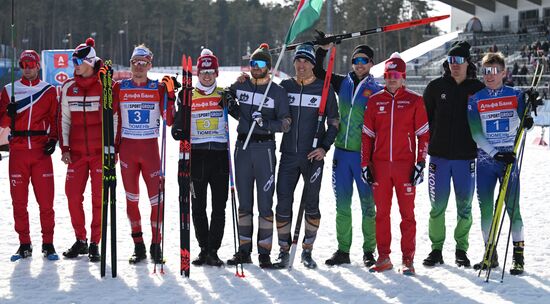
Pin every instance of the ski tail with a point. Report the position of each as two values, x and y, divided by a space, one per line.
320 120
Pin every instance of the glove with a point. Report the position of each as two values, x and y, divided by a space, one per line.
227 100
505 157
171 83
257 117
12 110
417 176
49 148
367 176
528 122
177 133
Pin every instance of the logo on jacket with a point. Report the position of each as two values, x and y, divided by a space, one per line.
367 93
244 97
291 99
382 109
75 90
443 96
313 101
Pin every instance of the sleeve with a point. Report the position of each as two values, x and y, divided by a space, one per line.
169 115
333 121
64 126
53 113
4 101
116 110
320 72
429 104
421 130
476 129
367 137
282 121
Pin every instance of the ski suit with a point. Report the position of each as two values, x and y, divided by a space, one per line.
35 125
452 156
304 102
80 130
353 95
494 117
141 108
257 162
388 144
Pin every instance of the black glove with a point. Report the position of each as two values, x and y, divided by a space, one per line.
228 100
528 122
12 110
366 176
177 128
505 157
49 148
417 176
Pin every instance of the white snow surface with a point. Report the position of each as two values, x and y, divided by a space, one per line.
37 280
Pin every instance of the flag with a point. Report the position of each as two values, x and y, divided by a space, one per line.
306 15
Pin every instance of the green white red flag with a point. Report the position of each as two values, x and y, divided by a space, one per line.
308 12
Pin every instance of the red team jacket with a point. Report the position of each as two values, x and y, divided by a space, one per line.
36 111
391 123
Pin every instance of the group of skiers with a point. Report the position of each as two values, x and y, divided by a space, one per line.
382 135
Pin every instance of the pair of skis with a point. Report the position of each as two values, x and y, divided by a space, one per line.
109 172
498 218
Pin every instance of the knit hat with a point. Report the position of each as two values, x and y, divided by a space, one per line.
142 51
29 55
262 53
86 52
363 49
306 51
396 64
207 61
460 48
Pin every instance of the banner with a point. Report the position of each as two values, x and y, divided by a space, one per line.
57 66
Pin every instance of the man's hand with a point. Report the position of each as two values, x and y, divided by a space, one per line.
317 154
12 110
505 157
417 176
243 77
528 122
66 158
171 83
49 148
366 175
257 117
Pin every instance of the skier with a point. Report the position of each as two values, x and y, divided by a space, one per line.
210 164
33 118
353 92
140 102
297 157
393 118
80 142
452 151
494 116
257 161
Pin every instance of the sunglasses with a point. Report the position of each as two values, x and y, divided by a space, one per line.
360 60
207 72
258 64
28 64
140 63
456 59
392 75
490 70
77 61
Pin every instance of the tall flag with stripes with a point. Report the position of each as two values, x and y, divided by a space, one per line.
308 12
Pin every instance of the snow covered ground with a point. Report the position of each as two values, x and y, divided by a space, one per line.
36 280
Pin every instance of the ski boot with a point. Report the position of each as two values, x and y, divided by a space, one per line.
408 267
517 259
265 261
368 259
201 258
93 253
156 253
382 264
212 259
49 252
79 247
338 258
494 263
139 253
307 260
24 251
435 257
240 258
461 259
283 260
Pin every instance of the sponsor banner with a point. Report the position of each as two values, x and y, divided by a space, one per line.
57 66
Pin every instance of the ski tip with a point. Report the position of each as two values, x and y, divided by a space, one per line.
183 61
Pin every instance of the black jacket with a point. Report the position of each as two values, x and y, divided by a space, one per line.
446 103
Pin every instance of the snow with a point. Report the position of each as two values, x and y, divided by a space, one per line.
37 280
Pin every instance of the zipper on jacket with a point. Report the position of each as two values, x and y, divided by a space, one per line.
86 126
298 120
355 90
391 126
29 123
252 106
410 145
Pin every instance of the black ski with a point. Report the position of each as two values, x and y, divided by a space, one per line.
109 173
184 166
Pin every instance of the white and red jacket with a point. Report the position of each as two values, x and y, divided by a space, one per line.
36 111
80 123
391 123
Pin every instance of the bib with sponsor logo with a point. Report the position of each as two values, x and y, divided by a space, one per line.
140 110
207 120
499 118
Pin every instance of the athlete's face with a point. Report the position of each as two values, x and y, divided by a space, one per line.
303 68
84 70
394 81
458 70
493 75
139 67
30 70
259 73
361 65
207 77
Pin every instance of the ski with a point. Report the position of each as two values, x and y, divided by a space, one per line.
108 164
345 36
498 219
308 173
184 166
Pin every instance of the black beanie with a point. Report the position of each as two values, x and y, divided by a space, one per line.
460 48
262 53
363 49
